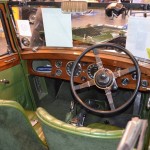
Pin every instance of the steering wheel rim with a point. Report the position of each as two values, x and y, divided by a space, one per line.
129 101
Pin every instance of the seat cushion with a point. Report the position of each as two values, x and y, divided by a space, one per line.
36 124
102 126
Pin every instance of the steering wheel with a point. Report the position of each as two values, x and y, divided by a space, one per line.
105 79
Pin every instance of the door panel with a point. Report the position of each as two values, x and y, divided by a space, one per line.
13 83
16 89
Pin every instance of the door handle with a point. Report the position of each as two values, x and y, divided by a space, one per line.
4 81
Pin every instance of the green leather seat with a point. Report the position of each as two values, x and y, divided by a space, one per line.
16 131
103 126
62 136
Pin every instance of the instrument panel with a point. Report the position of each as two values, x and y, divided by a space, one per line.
84 71
63 69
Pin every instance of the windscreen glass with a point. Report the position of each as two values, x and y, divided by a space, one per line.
44 26
50 27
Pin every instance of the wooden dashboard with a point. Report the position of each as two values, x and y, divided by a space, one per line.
60 61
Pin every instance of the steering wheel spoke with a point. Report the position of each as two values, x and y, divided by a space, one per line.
120 73
110 99
84 85
98 60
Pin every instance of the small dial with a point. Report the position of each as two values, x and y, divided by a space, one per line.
58 72
58 63
144 83
69 66
91 70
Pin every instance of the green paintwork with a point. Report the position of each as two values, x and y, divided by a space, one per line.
17 89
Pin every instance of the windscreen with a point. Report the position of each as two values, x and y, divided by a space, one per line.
50 27
44 26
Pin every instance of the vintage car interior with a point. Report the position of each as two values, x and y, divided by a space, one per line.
72 77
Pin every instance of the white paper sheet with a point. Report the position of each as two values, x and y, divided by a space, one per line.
24 27
57 27
138 36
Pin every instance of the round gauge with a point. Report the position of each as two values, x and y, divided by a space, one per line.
91 70
58 63
69 68
58 72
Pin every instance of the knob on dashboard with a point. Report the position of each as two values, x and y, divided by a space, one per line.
125 81
144 83
83 78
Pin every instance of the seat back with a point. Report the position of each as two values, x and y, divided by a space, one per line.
16 132
60 135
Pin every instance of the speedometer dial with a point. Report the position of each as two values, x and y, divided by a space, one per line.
69 67
91 70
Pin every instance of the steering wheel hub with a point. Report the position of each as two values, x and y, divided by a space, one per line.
104 78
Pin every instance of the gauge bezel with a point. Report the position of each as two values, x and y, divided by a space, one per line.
89 69
58 72
58 63
68 70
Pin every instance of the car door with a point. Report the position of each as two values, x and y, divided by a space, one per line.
13 83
